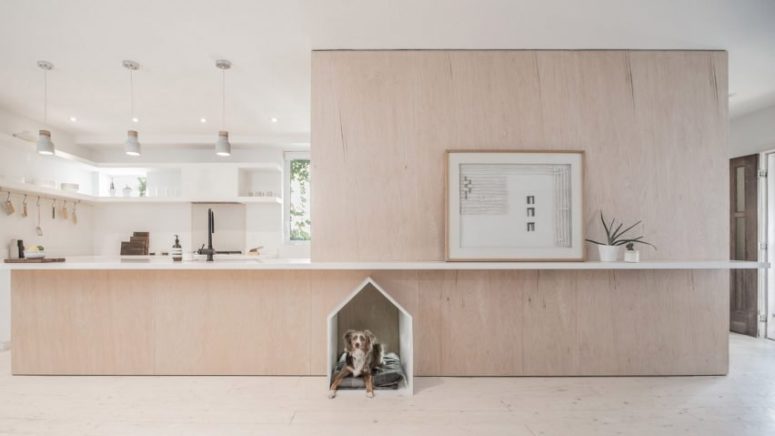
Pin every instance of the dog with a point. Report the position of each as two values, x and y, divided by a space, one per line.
364 355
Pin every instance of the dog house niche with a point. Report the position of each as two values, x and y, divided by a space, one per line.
369 306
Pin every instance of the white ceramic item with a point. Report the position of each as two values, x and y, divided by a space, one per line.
34 254
69 187
632 256
609 253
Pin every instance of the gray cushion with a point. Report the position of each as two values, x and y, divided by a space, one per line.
389 375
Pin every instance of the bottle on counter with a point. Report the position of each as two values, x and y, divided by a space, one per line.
177 250
112 188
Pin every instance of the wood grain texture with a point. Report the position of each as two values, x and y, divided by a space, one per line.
653 125
466 323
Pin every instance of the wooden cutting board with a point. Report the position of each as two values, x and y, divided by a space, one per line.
44 260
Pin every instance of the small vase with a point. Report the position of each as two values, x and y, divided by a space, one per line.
632 256
609 253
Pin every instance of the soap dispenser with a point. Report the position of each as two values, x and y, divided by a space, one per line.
177 250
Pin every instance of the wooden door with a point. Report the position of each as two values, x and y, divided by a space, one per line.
743 291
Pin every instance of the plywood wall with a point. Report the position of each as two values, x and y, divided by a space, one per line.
653 125
466 323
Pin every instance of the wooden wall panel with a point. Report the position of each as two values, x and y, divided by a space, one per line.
653 125
466 323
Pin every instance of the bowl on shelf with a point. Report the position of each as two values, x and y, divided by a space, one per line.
34 254
69 187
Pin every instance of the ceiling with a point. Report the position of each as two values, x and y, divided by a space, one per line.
269 42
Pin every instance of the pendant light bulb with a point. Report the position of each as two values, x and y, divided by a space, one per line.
45 146
222 145
132 145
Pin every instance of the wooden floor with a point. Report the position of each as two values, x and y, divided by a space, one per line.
742 403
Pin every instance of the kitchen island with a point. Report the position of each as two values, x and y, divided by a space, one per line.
268 316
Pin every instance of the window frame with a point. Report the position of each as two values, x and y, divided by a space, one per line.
288 157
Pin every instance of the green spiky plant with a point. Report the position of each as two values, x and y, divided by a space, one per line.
142 185
615 236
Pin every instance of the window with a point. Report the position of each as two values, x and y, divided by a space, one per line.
297 203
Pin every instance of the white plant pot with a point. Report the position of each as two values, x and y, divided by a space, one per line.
609 253
632 256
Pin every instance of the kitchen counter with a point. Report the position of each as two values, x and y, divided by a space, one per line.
152 316
257 263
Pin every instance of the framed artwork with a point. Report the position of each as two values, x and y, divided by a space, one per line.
514 206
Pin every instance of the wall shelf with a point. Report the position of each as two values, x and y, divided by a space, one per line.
163 263
241 200
43 192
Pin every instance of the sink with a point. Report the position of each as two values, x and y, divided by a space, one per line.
226 258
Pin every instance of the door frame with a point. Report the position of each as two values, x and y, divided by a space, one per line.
766 238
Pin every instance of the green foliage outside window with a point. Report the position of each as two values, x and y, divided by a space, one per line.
300 223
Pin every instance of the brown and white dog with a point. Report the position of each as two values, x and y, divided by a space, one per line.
364 355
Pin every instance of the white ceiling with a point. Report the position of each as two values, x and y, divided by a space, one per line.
269 43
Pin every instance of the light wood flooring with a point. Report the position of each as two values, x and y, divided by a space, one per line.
742 403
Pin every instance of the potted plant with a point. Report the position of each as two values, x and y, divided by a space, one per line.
142 185
615 239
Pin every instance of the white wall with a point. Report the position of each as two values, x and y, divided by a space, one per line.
229 226
19 161
752 133
114 223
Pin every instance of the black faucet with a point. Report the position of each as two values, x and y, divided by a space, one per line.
209 251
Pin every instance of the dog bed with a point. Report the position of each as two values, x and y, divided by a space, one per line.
389 375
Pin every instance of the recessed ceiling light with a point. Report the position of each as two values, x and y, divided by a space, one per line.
73 119
273 119
203 120
135 120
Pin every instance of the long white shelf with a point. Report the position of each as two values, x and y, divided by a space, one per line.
242 263
45 192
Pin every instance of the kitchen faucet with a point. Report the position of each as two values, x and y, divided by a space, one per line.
209 251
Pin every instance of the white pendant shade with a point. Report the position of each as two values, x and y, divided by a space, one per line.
45 146
222 145
132 145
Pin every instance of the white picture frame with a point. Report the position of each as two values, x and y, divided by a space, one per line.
514 205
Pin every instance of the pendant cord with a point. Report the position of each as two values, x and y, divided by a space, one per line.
45 96
223 99
131 96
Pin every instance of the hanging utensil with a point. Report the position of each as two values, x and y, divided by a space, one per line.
38 229
24 207
8 205
63 213
75 214
53 209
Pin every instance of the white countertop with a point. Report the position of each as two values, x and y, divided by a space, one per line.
246 263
